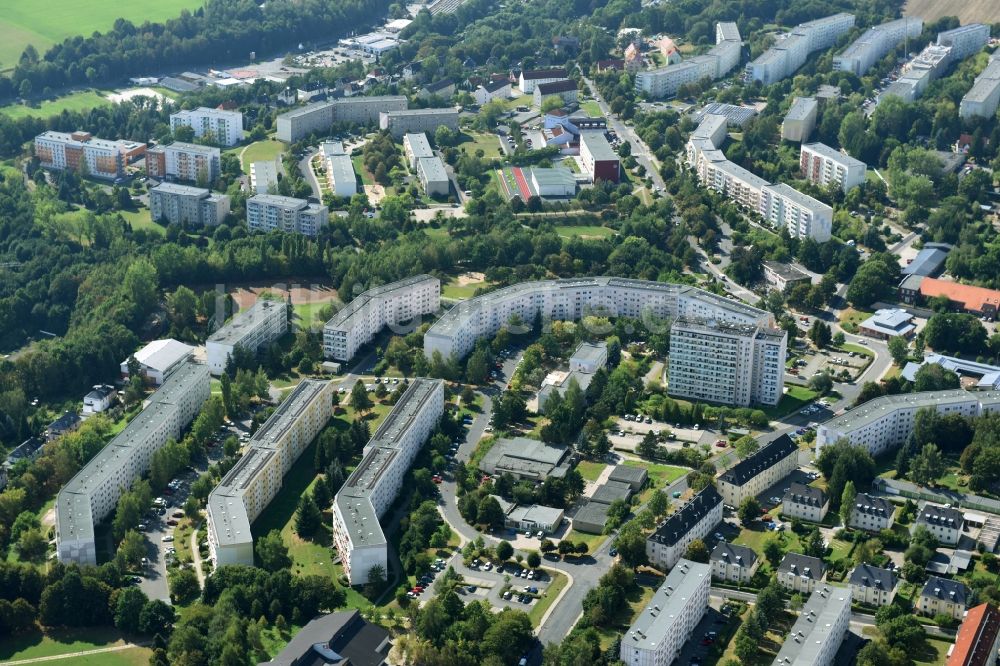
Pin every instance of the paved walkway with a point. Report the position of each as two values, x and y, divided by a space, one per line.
196 558
83 653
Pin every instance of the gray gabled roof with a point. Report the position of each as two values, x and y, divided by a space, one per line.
945 589
867 575
802 565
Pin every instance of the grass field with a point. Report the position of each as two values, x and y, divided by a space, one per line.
968 11
585 231
850 318
590 470
591 108
140 219
21 22
261 151
36 644
795 399
488 143
452 289
78 101
137 656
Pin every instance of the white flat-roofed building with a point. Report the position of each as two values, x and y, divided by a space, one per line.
416 147
791 50
320 116
759 471
780 275
272 212
824 166
928 65
255 479
340 176
695 520
458 329
884 423
819 630
715 64
800 121
800 214
732 563
965 40
556 182
726 363
433 177
875 44
944 523
81 152
92 494
180 204
399 123
372 487
226 127
658 634
184 161
984 97
371 311
872 585
251 329
871 513
159 358
264 177
589 357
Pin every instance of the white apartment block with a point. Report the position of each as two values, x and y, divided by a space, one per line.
965 40
456 332
943 596
758 472
92 494
226 127
416 147
824 166
800 214
530 78
184 161
871 513
734 564
340 174
272 212
726 363
83 153
800 121
372 487
399 123
695 520
928 65
433 177
805 503
872 586
251 329
944 523
719 61
884 423
319 117
984 97
393 304
819 630
792 49
255 479
657 636
875 44
180 204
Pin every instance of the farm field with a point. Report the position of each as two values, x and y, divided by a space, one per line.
969 11
78 101
21 22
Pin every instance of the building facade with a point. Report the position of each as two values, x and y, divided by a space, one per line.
187 162
792 49
433 176
251 329
978 640
180 204
944 523
984 97
600 161
83 153
875 44
715 64
319 117
759 471
530 78
695 520
399 123
871 513
733 564
819 630
564 89
824 166
416 147
805 503
225 126
272 212
873 586
943 596
800 121
801 573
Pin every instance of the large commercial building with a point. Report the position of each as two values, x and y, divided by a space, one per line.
525 458
747 362
226 127
342 638
978 639
85 154
272 212
657 636
458 329
800 121
251 329
819 630
719 61
399 123
92 495
759 471
984 97
372 487
885 422
694 520
371 311
824 166
433 177
251 484
180 204
320 116
600 161
875 44
781 205
792 49
184 161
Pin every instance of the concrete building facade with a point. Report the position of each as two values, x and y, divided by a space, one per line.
600 161
715 64
759 471
805 503
225 126
871 513
187 162
800 121
824 166
875 44
872 586
733 564
251 329
433 176
81 152
792 49
943 596
399 123
272 212
820 629
180 204
695 520
984 97
319 117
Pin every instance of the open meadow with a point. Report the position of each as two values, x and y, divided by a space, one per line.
967 11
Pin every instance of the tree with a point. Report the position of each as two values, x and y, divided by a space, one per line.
773 552
360 402
307 517
927 466
659 503
933 377
534 559
821 382
504 551
874 280
899 349
272 552
184 585
128 607
749 510
648 447
847 502
820 333
813 544
32 545
697 551
746 446
156 617
376 579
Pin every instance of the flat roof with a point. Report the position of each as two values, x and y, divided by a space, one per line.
264 172
188 148
180 190
419 145
244 321
342 317
813 629
421 112
611 491
598 146
826 151
803 200
986 83
341 168
553 176
536 513
662 615
785 271
433 169
288 203
163 354
876 408
590 351
523 455
801 107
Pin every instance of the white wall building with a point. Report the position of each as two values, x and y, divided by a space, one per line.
180 204
340 174
433 177
733 564
800 214
805 503
159 358
965 40
800 121
251 329
184 161
824 166
695 520
99 399
872 586
984 97
372 487
81 152
944 523
657 636
871 513
399 123
819 630
715 64
759 471
255 479
396 303
272 212
93 493
492 90
319 117
225 126
801 573
875 44
885 422
416 147
943 596
530 78
747 362
792 49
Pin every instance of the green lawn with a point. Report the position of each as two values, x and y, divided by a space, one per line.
590 470
308 313
935 654
858 349
551 593
485 141
850 319
585 231
756 538
461 291
137 656
261 151
591 108
36 644
359 168
659 475
141 219
21 22
793 400
78 101
592 540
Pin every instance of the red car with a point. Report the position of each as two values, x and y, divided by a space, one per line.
721 443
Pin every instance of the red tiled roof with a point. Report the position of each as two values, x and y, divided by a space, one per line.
975 638
971 298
